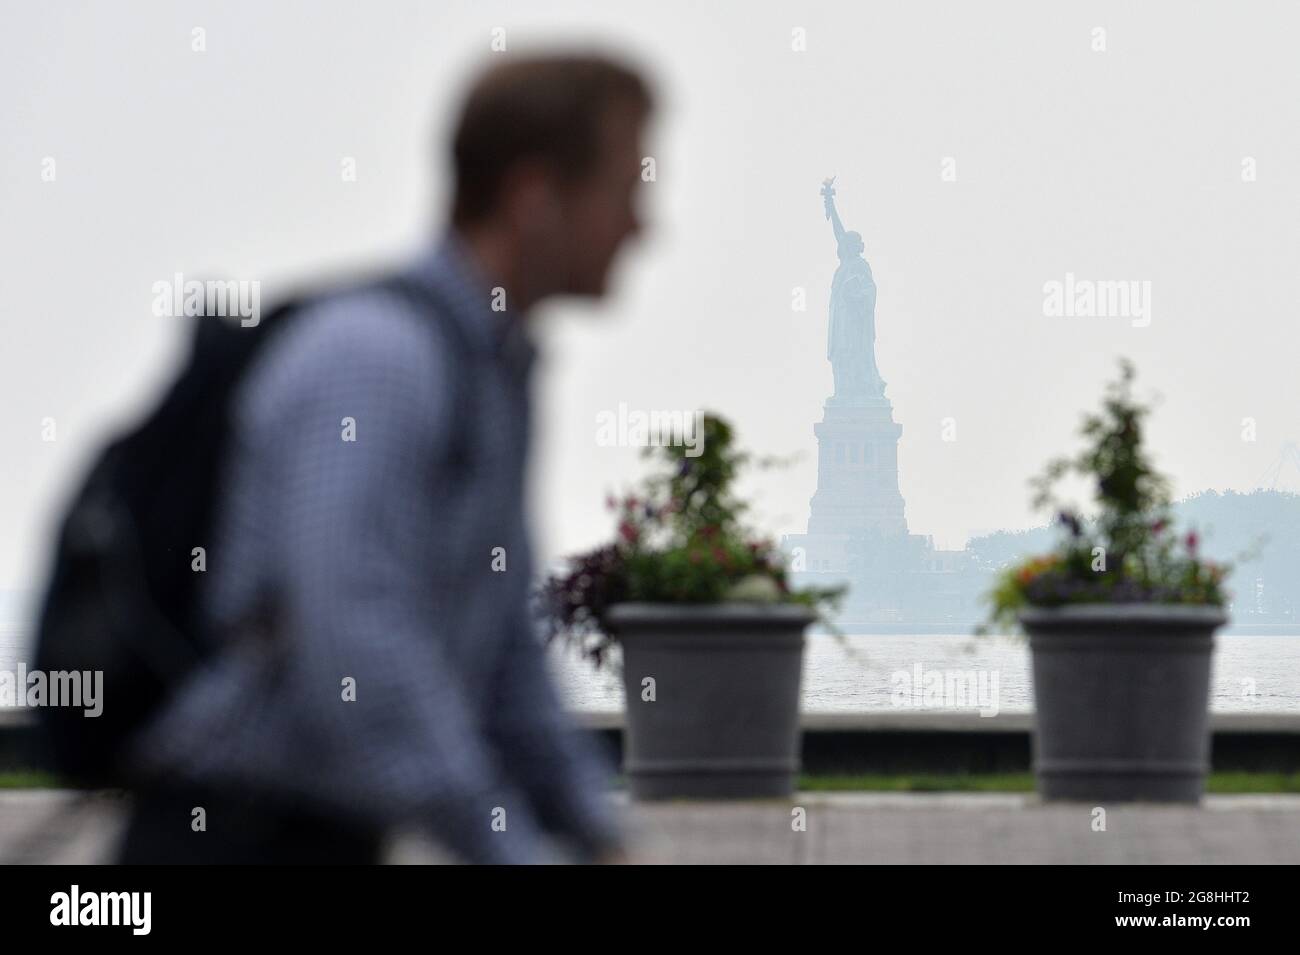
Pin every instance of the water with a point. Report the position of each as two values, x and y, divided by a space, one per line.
13 646
1251 674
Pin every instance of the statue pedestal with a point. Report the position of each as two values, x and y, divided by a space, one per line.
857 532
857 470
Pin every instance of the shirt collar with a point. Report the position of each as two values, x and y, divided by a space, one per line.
450 269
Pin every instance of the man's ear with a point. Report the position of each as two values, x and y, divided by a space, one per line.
529 197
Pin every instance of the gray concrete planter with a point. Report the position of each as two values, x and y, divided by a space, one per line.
1121 699
724 723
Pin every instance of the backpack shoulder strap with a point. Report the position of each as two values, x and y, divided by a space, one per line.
431 302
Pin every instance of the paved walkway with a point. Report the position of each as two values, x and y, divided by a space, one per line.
930 829
62 827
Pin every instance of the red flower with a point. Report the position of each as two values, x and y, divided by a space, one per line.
1192 541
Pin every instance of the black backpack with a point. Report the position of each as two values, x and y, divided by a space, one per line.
121 597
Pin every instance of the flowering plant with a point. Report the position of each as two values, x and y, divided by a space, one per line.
1128 553
681 541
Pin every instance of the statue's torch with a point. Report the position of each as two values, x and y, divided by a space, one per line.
828 190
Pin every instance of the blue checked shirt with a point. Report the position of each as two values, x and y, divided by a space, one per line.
369 563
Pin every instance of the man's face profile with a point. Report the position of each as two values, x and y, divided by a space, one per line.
599 210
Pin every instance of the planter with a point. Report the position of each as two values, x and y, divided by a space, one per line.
724 723
1121 700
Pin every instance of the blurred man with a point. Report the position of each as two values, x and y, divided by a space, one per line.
370 576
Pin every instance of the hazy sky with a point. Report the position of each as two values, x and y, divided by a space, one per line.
1117 165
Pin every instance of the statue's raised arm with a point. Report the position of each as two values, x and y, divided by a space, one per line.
828 195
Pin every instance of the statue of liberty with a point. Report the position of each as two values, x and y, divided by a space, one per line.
851 341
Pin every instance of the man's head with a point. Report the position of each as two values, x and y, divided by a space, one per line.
547 156
851 245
